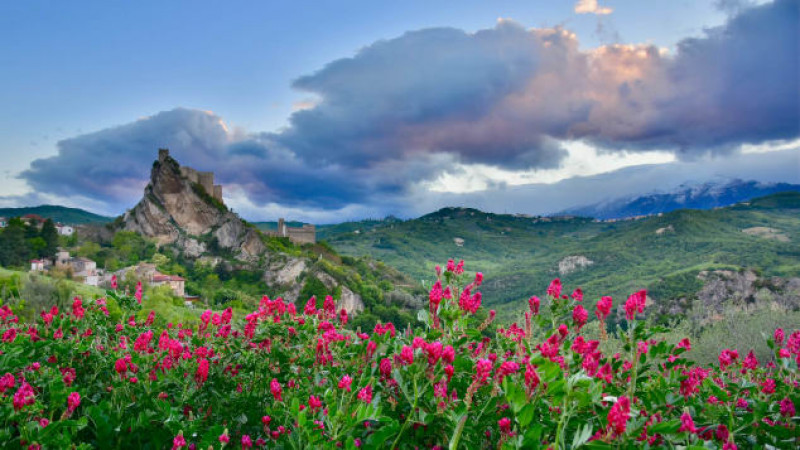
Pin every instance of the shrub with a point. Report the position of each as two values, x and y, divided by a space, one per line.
284 378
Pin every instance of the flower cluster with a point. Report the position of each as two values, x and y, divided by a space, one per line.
285 377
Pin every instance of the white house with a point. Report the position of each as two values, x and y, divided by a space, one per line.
65 230
37 265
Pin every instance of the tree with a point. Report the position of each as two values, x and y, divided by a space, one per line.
50 235
14 249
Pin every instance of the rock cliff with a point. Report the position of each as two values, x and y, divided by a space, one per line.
176 210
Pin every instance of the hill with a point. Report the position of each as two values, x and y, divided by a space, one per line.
664 254
62 214
701 196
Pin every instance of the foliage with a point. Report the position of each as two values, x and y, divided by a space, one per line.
660 253
283 378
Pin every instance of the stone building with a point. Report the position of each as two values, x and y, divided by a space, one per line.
307 234
204 179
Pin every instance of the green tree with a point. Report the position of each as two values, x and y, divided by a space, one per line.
49 234
14 250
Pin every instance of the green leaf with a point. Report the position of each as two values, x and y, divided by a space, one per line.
667 427
582 436
526 415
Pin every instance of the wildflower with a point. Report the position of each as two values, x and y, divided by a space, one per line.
451 266
43 422
750 361
727 357
224 438
365 394
343 316
478 278
787 408
505 425
448 354
532 379
246 442
276 390
407 355
385 368
179 441
9 335
577 295
345 382
24 396
778 336
579 316
603 308
618 415
482 370
77 308
138 293
73 401
533 304
202 371
314 403
114 282
684 344
635 303
687 424
554 290
768 386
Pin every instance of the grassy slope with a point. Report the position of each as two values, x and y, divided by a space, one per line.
72 216
520 255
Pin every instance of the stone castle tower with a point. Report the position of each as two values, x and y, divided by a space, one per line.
205 179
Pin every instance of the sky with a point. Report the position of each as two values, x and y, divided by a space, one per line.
328 111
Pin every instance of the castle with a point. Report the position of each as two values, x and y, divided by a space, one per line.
307 234
205 179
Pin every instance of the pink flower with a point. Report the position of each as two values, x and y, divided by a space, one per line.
451 266
385 368
365 394
178 442
577 295
224 438
478 278
73 401
202 371
533 304
603 308
505 425
114 282
778 336
276 390
138 293
685 344
314 403
43 422
24 396
727 357
787 408
635 303
618 415
768 386
483 369
687 424
246 442
554 290
579 316
345 382
407 355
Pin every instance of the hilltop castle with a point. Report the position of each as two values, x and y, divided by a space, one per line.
205 179
307 234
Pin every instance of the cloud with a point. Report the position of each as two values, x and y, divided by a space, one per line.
591 7
388 122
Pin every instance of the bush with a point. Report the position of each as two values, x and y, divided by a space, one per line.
283 378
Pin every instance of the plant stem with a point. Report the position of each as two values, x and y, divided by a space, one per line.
410 414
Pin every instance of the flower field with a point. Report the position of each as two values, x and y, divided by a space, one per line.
282 377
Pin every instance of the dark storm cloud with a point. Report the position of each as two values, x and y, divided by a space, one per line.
404 110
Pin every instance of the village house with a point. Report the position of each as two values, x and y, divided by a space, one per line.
82 268
65 230
38 265
148 273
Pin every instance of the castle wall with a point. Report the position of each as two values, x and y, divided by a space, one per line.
217 192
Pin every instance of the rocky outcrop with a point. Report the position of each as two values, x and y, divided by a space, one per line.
573 263
177 210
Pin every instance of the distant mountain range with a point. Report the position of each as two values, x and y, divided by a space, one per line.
62 214
699 196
